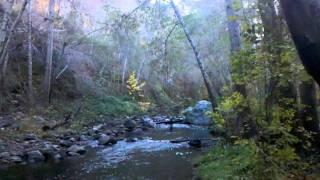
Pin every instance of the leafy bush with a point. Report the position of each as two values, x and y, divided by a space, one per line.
134 87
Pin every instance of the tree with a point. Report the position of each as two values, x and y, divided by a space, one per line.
303 20
206 79
7 5
233 27
7 36
235 47
48 68
272 45
134 87
30 86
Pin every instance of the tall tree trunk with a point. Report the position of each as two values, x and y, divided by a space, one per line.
303 20
4 70
308 112
197 55
235 46
7 6
272 38
166 63
7 40
124 70
124 44
30 86
233 27
141 68
48 69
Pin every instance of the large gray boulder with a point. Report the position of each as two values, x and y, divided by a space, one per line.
198 114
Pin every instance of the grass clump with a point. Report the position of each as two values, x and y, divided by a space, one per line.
93 107
229 162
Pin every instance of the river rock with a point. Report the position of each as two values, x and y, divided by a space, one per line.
73 154
16 159
4 155
131 139
197 115
49 150
97 128
30 137
137 132
57 158
113 141
7 121
83 138
130 124
39 119
195 143
65 143
35 156
104 139
76 149
109 132
20 115
148 122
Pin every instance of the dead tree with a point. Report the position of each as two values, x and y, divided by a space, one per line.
205 76
48 68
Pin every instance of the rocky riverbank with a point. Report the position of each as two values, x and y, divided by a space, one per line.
60 144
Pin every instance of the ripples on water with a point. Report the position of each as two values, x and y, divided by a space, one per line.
125 150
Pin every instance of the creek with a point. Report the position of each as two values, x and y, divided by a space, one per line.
150 156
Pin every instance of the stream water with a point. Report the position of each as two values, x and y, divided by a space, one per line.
151 157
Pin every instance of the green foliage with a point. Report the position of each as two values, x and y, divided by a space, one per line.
231 103
227 111
160 95
233 18
246 67
94 107
237 5
275 149
246 160
230 162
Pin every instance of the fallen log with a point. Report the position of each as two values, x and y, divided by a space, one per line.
171 122
194 142
188 140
